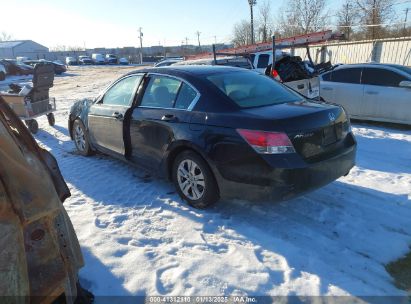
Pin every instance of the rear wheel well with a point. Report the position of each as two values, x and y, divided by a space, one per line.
174 153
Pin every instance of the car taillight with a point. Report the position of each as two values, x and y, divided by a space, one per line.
267 142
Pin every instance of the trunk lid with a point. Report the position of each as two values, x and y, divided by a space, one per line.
315 129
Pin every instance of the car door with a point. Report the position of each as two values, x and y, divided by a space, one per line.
163 114
383 97
343 86
106 116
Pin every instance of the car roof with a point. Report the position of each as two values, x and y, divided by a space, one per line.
368 64
190 70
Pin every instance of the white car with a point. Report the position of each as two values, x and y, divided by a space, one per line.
378 92
98 59
3 72
167 62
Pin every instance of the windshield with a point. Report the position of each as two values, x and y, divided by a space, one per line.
250 89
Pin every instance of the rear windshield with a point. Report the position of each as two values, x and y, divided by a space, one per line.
250 89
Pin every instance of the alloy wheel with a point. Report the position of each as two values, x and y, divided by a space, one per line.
191 179
79 138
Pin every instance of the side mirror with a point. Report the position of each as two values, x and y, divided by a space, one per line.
405 84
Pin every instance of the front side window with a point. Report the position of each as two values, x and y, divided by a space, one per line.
381 77
250 89
161 92
349 75
121 94
327 76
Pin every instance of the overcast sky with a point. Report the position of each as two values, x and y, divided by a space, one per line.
104 23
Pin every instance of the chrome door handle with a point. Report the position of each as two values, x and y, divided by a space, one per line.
327 89
372 93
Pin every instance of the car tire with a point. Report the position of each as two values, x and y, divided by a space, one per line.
2 76
194 180
81 139
32 125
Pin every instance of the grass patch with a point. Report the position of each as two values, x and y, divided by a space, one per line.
400 270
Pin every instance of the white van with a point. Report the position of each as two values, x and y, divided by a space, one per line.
98 59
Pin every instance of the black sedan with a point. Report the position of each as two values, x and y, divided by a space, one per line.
58 67
217 131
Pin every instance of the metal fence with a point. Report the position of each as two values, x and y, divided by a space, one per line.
395 50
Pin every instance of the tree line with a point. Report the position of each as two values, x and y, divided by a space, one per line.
357 19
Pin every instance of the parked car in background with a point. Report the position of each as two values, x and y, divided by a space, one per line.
123 61
167 62
3 72
233 61
14 67
111 59
58 67
71 61
98 59
84 60
217 131
379 92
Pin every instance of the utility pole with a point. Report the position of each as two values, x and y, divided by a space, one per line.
406 18
186 41
252 3
141 45
198 38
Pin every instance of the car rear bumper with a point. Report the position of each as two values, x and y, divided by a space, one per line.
282 184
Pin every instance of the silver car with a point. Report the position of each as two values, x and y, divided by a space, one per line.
379 92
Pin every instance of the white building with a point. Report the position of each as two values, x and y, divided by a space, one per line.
23 48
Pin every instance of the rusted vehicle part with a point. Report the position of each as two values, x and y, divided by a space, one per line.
39 252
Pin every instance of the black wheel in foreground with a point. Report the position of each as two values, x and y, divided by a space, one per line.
32 125
194 180
81 139
51 119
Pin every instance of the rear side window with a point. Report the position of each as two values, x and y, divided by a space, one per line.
161 92
250 89
351 75
263 60
185 97
381 77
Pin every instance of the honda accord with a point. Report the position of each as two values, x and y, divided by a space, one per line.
217 132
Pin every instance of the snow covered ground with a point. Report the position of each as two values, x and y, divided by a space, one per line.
139 238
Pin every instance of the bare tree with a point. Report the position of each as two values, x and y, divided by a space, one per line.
374 13
265 20
242 33
302 17
347 17
4 36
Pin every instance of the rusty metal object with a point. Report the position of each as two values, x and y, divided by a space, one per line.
39 252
